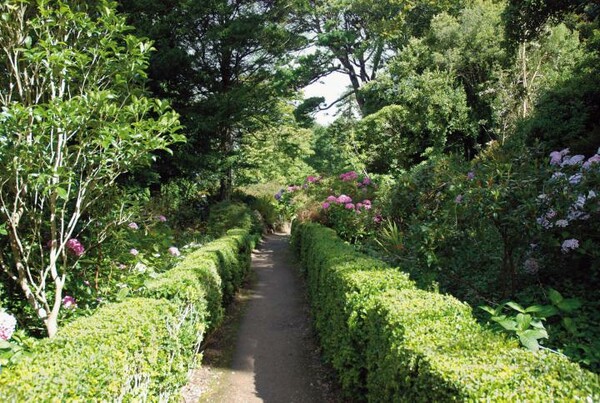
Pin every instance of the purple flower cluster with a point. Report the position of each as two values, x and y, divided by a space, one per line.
7 326
563 159
348 176
75 247
569 245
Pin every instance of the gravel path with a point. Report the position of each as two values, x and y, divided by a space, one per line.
276 357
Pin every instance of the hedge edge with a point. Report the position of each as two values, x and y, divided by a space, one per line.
141 348
390 341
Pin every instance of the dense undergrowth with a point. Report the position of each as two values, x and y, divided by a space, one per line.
390 341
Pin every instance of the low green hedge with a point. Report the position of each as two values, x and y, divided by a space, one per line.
142 348
135 349
392 342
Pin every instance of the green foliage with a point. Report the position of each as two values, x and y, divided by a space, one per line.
226 83
428 114
141 348
74 118
276 154
135 349
341 284
391 342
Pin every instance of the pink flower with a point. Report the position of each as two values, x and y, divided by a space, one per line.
366 181
349 206
570 244
343 199
332 199
312 179
348 176
367 202
7 326
69 302
174 251
134 252
325 205
133 226
75 247
378 218
359 206
161 218
458 199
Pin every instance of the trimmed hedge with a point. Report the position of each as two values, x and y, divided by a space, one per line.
390 341
141 348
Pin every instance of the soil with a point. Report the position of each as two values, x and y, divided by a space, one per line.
266 351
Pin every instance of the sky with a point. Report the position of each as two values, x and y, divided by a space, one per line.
330 87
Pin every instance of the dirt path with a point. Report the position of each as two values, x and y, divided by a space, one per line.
276 356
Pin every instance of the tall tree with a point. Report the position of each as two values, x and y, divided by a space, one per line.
226 82
356 37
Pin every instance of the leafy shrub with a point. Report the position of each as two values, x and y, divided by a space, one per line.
392 342
141 348
134 349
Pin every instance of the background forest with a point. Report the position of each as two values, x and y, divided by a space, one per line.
465 149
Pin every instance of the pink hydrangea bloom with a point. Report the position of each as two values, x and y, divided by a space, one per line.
366 181
69 302
343 199
75 247
359 206
174 251
133 226
350 206
7 326
378 218
134 252
312 179
325 205
348 176
332 199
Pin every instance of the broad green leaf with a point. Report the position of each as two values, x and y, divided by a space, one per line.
515 306
508 324
534 333
62 193
542 311
569 324
529 342
554 296
523 321
569 305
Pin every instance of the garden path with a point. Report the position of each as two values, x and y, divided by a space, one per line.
276 357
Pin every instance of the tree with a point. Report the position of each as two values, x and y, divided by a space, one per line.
74 118
356 37
231 52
